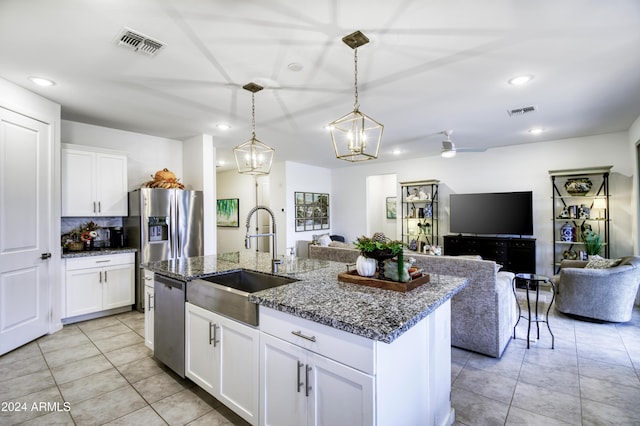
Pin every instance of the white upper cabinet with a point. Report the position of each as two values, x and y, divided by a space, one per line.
94 182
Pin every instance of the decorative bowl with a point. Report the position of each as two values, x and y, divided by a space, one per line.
578 186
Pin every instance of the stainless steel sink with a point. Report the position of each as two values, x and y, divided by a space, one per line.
228 293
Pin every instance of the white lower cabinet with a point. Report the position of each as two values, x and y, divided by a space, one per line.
98 283
149 307
222 358
326 376
314 389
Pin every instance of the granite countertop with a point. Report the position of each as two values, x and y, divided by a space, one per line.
318 296
99 252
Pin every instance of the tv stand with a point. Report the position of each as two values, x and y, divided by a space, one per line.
514 254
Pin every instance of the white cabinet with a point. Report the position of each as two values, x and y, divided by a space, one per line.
94 183
315 389
149 307
98 283
327 376
222 358
313 371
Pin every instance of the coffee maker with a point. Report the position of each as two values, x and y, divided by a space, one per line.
116 237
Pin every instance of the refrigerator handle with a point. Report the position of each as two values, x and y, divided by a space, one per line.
178 230
172 227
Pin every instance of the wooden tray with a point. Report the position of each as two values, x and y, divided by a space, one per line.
354 278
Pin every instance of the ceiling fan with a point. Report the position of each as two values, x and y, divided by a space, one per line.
449 150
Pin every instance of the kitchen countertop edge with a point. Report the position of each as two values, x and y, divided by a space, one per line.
101 252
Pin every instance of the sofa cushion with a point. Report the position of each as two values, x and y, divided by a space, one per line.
597 262
340 244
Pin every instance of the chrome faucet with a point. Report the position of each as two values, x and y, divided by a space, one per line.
247 238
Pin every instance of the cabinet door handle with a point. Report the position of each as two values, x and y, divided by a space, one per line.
149 299
213 337
300 365
100 281
308 387
94 207
99 207
105 276
103 261
299 334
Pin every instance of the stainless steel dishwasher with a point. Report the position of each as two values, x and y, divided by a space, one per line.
168 332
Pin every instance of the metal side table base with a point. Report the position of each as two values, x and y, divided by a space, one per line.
529 280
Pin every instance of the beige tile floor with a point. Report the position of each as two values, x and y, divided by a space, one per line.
103 371
592 377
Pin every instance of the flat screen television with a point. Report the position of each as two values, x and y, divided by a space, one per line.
503 213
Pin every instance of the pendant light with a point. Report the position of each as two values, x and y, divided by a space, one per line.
253 157
356 136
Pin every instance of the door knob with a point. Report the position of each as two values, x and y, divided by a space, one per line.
45 256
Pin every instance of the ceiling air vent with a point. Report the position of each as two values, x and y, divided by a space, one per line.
521 111
139 42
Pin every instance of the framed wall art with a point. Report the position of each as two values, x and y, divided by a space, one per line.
228 212
312 211
391 207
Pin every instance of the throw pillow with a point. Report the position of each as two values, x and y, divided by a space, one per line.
324 240
316 237
597 262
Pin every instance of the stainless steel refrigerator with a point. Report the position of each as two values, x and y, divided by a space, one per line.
163 224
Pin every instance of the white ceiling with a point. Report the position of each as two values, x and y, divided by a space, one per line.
430 66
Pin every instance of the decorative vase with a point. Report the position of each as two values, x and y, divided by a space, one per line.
381 256
366 266
567 233
578 186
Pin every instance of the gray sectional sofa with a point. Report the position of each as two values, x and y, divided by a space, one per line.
482 315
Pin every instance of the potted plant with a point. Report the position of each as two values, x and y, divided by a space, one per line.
592 243
378 248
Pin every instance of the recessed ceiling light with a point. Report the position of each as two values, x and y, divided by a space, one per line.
223 126
521 79
396 151
41 81
536 130
295 67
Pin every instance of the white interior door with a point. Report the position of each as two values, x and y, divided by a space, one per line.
25 220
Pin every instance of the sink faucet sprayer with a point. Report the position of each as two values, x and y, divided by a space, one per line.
247 239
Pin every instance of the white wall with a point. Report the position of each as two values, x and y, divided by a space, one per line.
199 158
231 184
516 168
380 187
146 154
305 178
634 140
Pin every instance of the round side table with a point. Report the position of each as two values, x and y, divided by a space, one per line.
530 281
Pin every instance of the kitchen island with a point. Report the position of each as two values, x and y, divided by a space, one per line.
359 355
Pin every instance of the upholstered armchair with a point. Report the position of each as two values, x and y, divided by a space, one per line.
601 294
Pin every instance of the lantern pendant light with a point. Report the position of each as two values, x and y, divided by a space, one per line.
356 136
253 157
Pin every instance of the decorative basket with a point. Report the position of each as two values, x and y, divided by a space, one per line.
75 246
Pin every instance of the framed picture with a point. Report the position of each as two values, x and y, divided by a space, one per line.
391 207
312 211
228 212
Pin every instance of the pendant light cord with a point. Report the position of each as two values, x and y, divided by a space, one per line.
356 105
253 115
